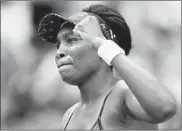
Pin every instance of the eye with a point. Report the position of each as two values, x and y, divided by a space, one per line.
71 40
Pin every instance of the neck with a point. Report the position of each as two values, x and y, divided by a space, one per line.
98 84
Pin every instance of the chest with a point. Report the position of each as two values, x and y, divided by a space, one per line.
112 115
101 112
84 117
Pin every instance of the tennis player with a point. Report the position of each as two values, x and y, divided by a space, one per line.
91 44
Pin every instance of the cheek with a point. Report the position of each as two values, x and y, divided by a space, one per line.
85 57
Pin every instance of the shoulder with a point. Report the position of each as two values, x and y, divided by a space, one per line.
67 115
114 107
120 90
117 97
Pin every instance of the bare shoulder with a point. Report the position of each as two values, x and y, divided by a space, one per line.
119 91
67 114
117 108
116 98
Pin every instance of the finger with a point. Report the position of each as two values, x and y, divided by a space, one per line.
79 33
93 18
78 26
76 30
82 34
85 21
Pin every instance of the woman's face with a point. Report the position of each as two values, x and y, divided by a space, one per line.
76 58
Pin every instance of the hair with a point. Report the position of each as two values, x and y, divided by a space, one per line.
115 22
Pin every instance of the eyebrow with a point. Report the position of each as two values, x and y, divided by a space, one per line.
65 35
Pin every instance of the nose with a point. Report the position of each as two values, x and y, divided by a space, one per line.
61 51
60 54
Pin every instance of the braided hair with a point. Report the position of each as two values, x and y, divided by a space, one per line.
115 22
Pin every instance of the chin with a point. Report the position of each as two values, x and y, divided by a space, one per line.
74 78
70 79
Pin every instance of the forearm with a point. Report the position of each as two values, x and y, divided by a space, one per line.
151 95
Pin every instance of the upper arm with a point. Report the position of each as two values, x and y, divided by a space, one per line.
66 116
134 109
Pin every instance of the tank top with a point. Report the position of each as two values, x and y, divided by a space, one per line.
98 124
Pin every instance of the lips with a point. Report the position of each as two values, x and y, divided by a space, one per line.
63 64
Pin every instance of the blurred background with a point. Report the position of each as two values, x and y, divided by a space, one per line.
33 96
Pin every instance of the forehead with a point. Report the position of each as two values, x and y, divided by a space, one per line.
76 18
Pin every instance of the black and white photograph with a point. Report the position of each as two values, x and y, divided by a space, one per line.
91 65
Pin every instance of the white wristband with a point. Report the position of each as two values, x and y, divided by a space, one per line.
108 50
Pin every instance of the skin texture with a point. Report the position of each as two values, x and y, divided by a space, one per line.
79 58
138 101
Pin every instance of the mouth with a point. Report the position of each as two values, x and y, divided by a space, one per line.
65 68
64 64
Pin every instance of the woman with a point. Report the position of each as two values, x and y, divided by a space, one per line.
90 45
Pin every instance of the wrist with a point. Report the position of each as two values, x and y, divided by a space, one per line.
98 42
108 50
120 56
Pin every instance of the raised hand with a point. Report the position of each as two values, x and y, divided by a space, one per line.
89 30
